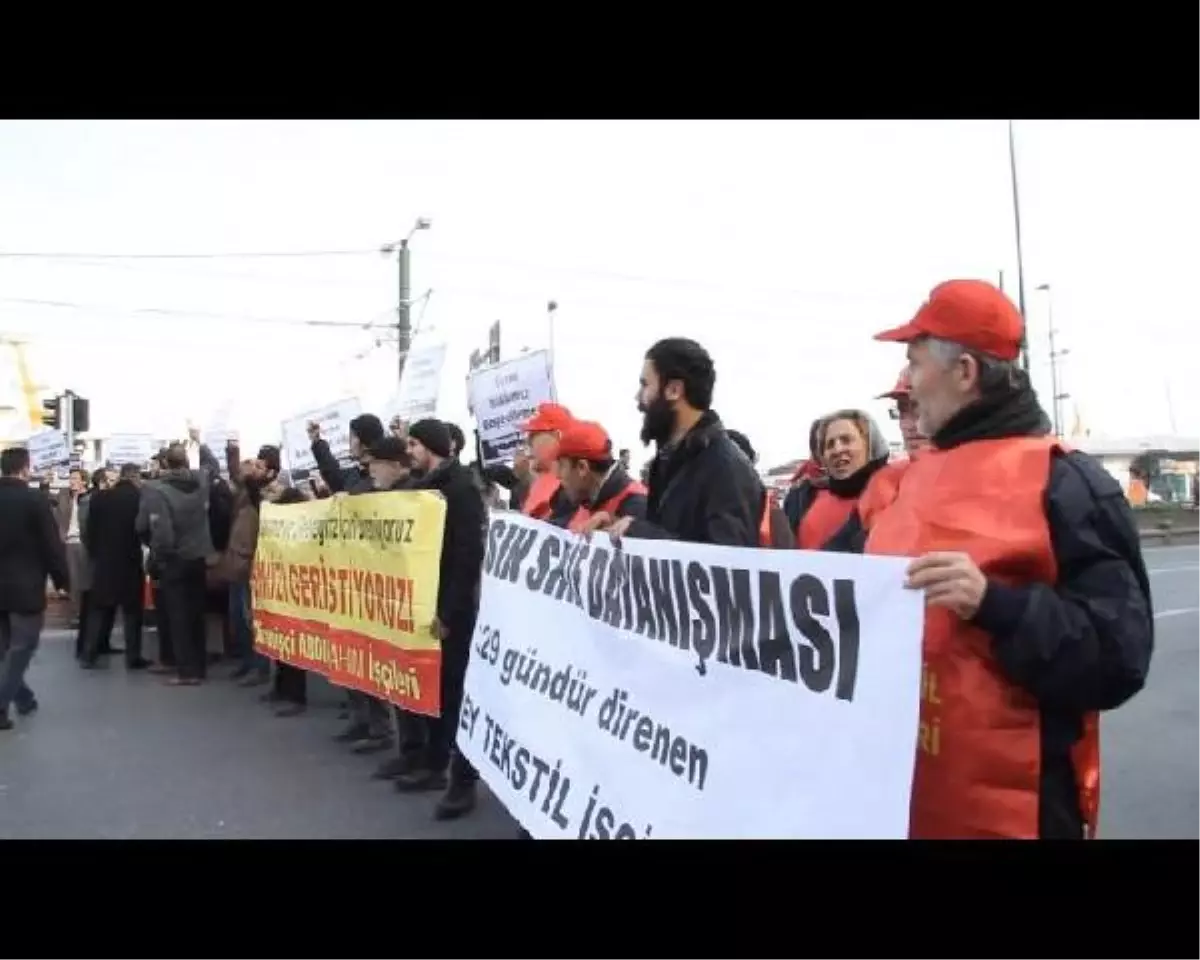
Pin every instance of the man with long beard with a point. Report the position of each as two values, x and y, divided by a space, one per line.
701 488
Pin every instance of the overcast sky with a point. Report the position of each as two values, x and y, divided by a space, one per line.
781 246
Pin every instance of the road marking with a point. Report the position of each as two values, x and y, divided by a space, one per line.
1192 566
1162 614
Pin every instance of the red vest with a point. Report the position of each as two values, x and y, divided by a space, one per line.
881 490
978 757
609 506
537 501
825 516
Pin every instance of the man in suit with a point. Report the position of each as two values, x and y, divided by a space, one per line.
115 550
66 512
31 550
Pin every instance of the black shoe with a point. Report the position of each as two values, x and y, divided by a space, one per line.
141 663
109 651
93 664
6 721
458 800
26 707
291 710
420 781
371 743
352 734
394 767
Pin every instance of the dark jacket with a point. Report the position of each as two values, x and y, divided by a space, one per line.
352 479
781 532
703 491
1084 643
31 548
113 546
237 556
174 512
462 546
221 510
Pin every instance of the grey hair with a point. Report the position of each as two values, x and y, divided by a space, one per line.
995 375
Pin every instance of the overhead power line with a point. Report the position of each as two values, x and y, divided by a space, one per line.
382 317
249 255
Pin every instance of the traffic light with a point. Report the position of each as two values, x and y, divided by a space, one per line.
80 411
52 413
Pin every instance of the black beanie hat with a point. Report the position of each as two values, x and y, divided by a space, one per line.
368 428
433 435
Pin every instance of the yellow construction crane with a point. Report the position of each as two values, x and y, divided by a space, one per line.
29 389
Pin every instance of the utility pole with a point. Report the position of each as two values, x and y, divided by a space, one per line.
1056 397
1012 166
404 311
403 317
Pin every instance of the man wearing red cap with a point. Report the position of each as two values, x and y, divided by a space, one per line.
881 490
592 479
1038 603
544 499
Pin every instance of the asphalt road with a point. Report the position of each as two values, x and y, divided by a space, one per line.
117 755
120 756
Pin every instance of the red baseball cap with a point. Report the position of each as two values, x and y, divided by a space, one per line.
549 418
973 313
901 390
584 440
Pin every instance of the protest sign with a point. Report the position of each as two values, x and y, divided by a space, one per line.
505 396
347 587
417 395
125 448
48 448
672 690
335 430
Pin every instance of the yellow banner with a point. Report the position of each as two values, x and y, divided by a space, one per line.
347 587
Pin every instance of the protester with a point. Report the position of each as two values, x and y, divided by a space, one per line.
458 440
701 487
118 578
220 526
96 482
67 513
460 573
31 552
773 530
290 690
174 515
365 430
541 496
1038 601
852 450
233 568
881 488
592 480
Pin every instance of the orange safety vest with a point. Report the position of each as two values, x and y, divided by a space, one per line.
881 490
825 516
979 752
538 500
609 506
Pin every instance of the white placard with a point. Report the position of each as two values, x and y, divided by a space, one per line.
417 395
335 430
48 448
125 448
671 690
505 396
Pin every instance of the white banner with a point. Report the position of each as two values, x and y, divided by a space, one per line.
504 396
677 691
48 448
125 448
417 395
335 430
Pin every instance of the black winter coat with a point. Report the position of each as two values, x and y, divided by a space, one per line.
114 547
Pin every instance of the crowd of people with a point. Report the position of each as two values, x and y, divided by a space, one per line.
1038 604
